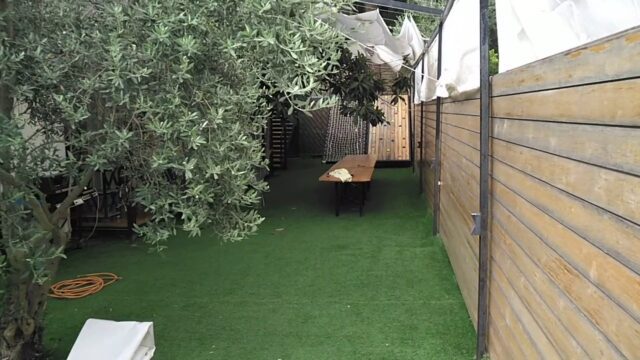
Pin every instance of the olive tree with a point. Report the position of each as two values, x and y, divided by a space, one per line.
173 91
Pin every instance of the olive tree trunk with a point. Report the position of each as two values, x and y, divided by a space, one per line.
25 301
23 310
22 320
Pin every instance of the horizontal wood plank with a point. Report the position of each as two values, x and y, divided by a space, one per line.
468 107
616 237
605 59
463 171
497 341
526 330
505 271
613 103
617 192
462 148
613 278
618 326
463 262
507 237
610 147
469 122
468 137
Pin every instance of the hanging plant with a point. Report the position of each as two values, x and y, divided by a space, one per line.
401 86
357 86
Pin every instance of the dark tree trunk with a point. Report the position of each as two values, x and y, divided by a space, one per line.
24 305
6 101
22 318
24 301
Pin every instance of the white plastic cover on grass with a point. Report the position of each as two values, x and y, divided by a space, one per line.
114 340
531 30
373 38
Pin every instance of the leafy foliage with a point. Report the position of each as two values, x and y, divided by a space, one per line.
428 23
161 87
401 85
173 91
493 62
358 88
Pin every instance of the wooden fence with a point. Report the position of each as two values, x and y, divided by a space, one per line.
390 142
565 202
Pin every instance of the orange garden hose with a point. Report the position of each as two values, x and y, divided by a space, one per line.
82 286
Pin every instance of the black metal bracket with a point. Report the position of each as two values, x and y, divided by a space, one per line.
475 230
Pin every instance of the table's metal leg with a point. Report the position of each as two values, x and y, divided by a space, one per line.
337 190
363 195
365 191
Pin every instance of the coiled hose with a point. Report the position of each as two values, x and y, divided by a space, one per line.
82 286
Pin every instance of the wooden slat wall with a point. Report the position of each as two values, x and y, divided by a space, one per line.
390 142
415 112
429 117
426 123
565 203
459 192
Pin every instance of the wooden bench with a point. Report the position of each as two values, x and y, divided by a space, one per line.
361 168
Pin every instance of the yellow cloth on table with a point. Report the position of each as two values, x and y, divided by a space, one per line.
342 174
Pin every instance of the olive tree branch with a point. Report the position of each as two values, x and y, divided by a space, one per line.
73 194
39 212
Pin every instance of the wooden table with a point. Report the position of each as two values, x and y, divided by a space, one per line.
361 168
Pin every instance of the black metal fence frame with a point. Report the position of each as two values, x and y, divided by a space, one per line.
485 127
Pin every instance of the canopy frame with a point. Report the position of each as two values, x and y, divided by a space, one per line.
404 6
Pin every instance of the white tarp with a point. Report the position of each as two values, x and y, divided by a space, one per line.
460 51
531 30
410 34
371 36
114 340
428 86
418 80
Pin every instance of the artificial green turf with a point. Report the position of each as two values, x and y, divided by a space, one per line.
309 285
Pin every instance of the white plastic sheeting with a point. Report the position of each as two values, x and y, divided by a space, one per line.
460 51
114 340
374 39
531 30
427 87
418 80
528 30
460 75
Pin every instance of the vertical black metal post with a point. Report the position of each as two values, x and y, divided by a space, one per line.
438 164
421 147
105 194
411 134
485 126
285 141
367 133
268 139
